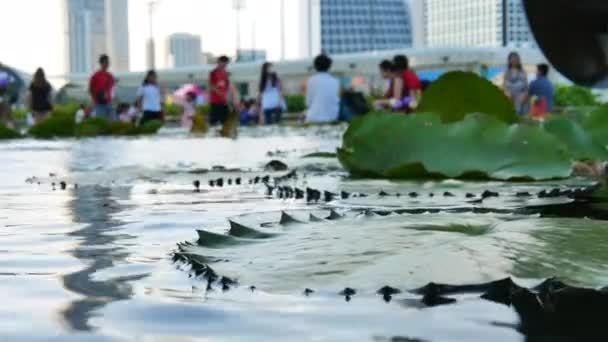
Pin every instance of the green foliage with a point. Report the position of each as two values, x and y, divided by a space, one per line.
59 125
457 93
173 110
574 96
296 103
7 133
92 127
19 114
150 127
203 110
480 146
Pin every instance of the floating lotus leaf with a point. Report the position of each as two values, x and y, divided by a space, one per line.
386 145
596 124
581 143
456 94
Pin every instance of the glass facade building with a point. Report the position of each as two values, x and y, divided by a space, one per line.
483 23
350 26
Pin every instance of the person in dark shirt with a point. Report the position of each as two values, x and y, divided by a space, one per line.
40 96
542 91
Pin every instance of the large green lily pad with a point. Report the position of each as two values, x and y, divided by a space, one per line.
386 145
580 143
596 124
456 94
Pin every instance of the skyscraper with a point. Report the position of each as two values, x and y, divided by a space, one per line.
96 27
117 33
486 23
348 26
183 49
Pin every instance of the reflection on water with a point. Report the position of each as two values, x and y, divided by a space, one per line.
93 263
98 248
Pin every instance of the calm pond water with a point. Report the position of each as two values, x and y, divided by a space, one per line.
94 263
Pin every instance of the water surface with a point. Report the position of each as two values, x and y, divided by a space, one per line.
93 263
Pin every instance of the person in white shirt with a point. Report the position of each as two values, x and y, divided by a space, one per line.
271 95
149 98
322 93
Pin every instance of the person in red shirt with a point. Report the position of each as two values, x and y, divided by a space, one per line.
411 83
219 89
101 85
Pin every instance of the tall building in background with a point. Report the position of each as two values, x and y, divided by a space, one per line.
96 27
183 49
418 23
117 30
348 26
483 23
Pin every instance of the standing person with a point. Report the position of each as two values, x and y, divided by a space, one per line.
5 99
40 98
412 86
322 93
541 92
271 95
219 89
149 98
189 106
101 85
515 83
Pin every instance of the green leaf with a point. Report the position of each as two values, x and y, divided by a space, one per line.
387 145
320 155
596 124
7 133
580 143
457 93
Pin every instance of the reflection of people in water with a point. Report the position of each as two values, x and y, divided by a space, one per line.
95 206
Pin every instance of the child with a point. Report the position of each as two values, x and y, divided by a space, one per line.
189 110
81 114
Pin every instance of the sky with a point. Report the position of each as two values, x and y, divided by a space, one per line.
33 34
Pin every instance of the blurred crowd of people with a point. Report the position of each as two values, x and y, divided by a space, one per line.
325 100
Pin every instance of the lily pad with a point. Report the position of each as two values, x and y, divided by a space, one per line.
458 93
479 146
329 155
596 124
580 142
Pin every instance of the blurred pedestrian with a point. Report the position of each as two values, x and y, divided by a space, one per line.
149 98
5 99
322 93
101 86
541 92
271 95
219 91
189 106
40 97
515 83
412 86
395 91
